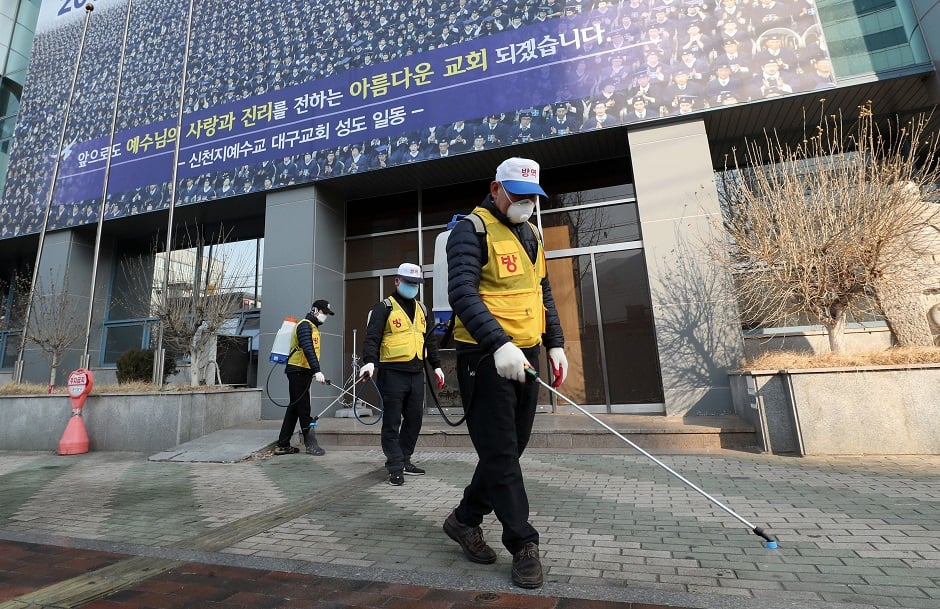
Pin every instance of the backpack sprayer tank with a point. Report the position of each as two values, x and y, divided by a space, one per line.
280 351
440 305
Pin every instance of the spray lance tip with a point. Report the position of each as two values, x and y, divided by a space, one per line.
770 542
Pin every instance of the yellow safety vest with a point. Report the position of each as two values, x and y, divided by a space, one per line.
403 339
510 285
297 357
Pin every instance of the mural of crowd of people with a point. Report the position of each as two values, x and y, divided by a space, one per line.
658 58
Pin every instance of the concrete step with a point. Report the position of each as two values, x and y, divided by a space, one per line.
552 432
566 432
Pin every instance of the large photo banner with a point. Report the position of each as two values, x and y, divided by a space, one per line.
279 93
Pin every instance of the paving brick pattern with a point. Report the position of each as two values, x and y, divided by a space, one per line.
862 531
197 585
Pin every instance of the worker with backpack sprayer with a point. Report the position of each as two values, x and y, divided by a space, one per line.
503 312
303 367
397 342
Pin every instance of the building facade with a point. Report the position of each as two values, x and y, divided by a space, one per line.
17 26
346 148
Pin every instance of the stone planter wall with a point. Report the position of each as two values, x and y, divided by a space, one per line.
842 411
144 422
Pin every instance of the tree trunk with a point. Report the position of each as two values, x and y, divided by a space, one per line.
194 366
906 314
55 365
835 326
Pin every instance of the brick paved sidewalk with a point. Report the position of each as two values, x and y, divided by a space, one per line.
38 575
853 532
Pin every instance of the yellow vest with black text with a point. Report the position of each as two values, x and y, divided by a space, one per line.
403 339
297 357
510 285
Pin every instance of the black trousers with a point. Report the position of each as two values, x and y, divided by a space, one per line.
500 414
403 411
298 388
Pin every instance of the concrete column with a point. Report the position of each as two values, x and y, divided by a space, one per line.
304 250
65 265
697 329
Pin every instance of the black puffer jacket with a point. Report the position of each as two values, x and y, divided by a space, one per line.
466 255
305 343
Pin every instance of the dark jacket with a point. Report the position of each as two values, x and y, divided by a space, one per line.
305 342
466 255
376 330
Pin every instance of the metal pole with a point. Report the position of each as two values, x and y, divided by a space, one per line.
18 366
104 194
771 540
158 350
350 394
257 265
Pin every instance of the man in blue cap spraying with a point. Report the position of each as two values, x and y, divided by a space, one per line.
504 312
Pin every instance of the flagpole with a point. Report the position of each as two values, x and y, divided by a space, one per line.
18 366
158 352
85 362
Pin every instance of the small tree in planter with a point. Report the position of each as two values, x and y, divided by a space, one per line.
825 227
53 325
204 292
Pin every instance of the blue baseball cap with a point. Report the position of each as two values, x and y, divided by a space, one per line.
520 176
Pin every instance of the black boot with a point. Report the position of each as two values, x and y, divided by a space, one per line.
310 441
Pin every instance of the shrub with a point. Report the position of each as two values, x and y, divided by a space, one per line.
136 365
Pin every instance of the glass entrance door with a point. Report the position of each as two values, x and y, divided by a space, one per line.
602 297
600 286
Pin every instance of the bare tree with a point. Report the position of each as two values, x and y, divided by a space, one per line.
205 290
15 294
53 324
826 226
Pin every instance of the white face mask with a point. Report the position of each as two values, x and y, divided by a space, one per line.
321 317
520 211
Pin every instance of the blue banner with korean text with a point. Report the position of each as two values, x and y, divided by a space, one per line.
286 92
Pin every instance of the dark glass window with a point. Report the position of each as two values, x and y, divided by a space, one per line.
590 226
629 338
573 289
440 204
586 197
388 213
132 278
361 295
381 252
11 348
119 339
598 174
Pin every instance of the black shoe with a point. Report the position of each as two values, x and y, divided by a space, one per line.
470 540
314 449
527 567
286 450
396 479
413 470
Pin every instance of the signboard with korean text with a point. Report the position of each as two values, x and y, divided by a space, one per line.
285 92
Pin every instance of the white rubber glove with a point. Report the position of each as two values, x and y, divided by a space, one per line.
440 378
558 362
510 362
318 377
366 371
